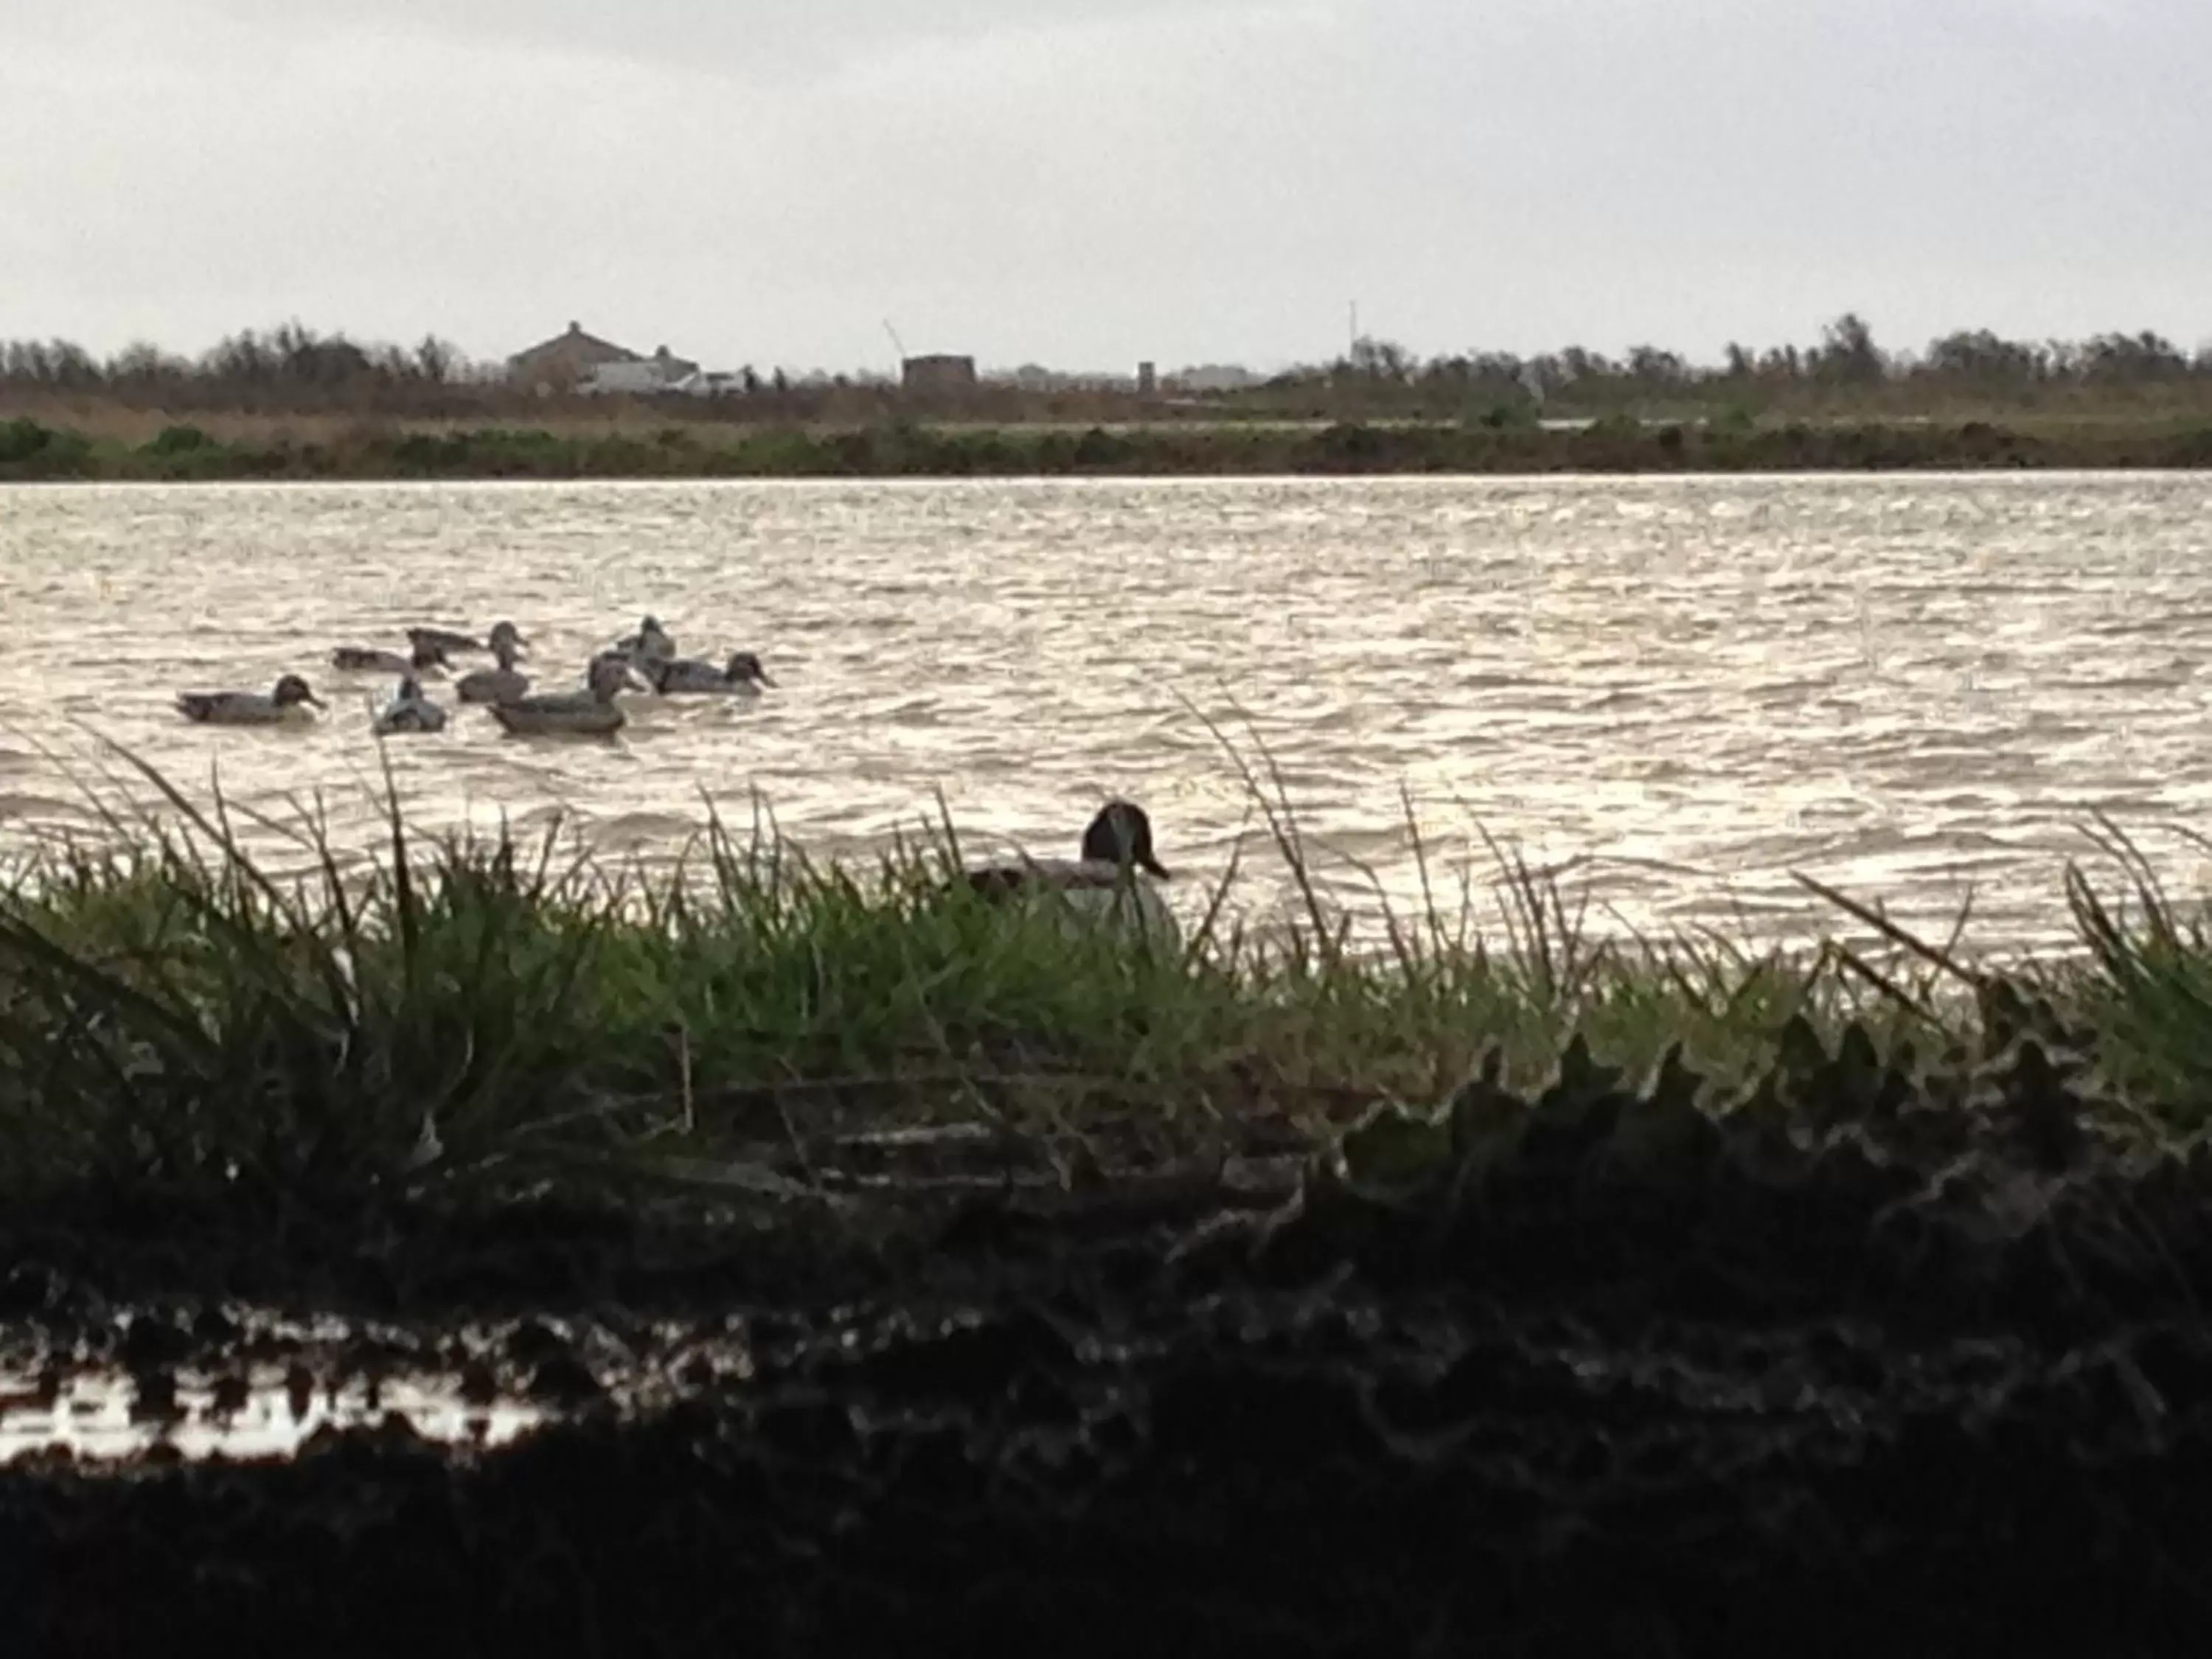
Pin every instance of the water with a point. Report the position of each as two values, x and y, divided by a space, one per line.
97 1417
1678 691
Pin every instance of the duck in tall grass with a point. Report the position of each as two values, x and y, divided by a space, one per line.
1107 881
592 712
741 677
287 704
652 643
501 684
409 711
426 657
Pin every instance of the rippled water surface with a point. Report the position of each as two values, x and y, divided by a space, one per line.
1681 689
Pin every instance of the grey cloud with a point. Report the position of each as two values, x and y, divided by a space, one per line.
766 38
1085 182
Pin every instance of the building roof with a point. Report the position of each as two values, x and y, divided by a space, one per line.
575 345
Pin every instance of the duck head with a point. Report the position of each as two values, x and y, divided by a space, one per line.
292 690
1123 834
506 640
609 672
743 666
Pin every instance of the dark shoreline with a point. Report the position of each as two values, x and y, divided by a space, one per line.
1881 1363
696 449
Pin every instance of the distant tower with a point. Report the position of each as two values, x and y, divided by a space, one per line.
1148 378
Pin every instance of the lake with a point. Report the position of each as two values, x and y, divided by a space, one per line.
1677 691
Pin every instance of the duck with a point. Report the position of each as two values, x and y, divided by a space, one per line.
651 641
1107 881
426 658
743 676
288 703
501 684
409 711
591 712
445 639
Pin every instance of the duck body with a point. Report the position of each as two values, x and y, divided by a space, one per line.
424 659
1086 896
444 641
1106 884
741 677
501 684
288 703
592 712
577 712
409 711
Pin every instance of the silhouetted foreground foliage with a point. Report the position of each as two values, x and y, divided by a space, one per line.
900 1272
1886 1356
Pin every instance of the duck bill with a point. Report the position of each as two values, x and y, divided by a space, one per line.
312 698
1154 866
762 676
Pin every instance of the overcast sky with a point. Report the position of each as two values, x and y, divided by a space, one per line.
1084 183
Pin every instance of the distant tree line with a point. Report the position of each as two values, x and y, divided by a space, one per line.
294 369
1846 369
284 369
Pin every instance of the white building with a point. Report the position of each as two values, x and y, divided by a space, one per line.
640 376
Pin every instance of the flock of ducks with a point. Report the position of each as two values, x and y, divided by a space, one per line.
643 662
1111 878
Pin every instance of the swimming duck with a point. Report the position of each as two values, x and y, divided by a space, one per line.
501 684
742 676
409 711
287 702
445 639
426 658
651 641
1107 881
592 712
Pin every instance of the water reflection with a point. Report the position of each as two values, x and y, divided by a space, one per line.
1905 687
106 1416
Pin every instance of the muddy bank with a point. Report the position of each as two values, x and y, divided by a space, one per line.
1882 1361
1103 1458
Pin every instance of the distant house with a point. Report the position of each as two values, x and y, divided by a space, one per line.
566 361
939 376
662 371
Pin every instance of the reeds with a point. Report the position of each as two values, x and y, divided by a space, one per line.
470 1015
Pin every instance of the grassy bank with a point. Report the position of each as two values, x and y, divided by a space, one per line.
473 1019
330 447
1621 1291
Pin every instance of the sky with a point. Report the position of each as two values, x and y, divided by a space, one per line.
1087 183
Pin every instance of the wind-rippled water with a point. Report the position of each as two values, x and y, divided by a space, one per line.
1679 691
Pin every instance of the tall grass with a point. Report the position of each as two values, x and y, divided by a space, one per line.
472 1015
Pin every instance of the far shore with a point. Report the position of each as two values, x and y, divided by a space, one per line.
150 446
